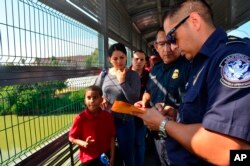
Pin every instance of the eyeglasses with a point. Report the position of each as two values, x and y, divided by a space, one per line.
170 36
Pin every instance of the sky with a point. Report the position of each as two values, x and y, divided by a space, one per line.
28 32
242 31
21 43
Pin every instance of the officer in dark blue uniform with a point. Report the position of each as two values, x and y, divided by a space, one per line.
166 84
214 116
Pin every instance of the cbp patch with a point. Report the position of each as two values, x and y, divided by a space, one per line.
175 74
235 71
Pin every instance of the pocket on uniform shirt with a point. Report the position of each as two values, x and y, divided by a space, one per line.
192 110
191 96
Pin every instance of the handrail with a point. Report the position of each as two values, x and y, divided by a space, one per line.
55 153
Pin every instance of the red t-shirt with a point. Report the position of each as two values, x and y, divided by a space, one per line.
100 127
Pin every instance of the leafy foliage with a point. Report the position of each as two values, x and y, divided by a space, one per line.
7 99
92 60
39 98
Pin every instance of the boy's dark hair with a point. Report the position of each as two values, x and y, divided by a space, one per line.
116 47
95 89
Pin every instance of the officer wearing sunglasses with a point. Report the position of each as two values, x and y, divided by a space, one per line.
214 115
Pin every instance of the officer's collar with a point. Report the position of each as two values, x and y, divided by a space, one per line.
213 41
167 66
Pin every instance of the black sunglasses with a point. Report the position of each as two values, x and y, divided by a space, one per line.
170 36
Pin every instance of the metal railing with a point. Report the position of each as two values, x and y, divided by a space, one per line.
33 34
33 115
47 58
58 152
46 61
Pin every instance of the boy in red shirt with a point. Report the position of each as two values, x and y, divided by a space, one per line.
93 130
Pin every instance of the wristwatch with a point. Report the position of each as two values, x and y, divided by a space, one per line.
162 132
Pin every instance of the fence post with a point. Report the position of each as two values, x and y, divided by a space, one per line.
71 153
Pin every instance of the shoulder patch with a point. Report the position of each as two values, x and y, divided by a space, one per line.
234 39
235 71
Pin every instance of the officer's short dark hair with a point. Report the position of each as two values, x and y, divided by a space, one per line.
158 30
200 6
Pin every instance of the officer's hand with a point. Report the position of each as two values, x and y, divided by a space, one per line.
166 110
151 118
140 104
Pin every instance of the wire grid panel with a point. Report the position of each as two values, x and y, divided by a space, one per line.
34 34
33 114
40 39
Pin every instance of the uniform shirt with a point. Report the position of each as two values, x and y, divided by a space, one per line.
218 92
100 128
167 82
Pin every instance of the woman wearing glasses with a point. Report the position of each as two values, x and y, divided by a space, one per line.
167 80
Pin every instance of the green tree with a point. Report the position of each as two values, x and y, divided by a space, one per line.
92 60
54 61
25 102
37 61
7 99
32 98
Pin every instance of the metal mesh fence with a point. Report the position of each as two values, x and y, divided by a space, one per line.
46 61
33 34
33 114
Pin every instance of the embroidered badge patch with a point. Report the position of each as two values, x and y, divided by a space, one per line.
235 71
175 74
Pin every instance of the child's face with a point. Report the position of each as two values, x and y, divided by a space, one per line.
93 100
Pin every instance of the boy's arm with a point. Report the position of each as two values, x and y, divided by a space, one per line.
81 142
112 151
78 142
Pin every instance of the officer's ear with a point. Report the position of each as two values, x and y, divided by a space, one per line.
195 20
155 46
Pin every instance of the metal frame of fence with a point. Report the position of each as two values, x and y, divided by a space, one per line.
47 57
46 60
